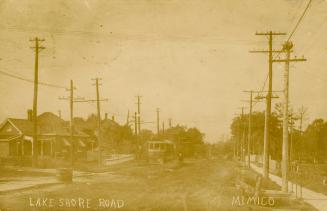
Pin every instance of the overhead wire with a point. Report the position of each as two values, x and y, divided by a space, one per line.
297 24
31 81
290 35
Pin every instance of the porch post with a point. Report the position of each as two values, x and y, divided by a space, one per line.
42 146
23 147
17 148
32 145
51 152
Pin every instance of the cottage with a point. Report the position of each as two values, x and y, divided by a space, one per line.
54 139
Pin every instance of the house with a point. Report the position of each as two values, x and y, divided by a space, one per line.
54 139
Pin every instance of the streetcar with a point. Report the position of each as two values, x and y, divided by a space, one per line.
160 151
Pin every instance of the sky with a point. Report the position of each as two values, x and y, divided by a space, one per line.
190 58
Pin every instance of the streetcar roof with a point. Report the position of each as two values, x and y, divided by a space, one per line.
161 142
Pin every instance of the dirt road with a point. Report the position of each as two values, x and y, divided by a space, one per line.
194 185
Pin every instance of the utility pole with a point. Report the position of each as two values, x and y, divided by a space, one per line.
239 142
170 125
287 47
242 135
127 119
250 101
270 52
71 109
163 127
302 112
235 144
135 123
292 120
158 120
99 121
139 113
35 145
238 138
71 100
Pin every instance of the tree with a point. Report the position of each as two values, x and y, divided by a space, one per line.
187 140
239 127
314 138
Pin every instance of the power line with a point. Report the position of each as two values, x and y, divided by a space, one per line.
290 36
297 24
297 10
31 81
299 21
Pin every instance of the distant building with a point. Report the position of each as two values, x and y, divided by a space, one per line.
54 139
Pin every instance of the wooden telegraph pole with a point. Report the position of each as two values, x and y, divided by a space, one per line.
127 118
242 135
138 114
99 121
35 145
270 52
135 122
72 100
287 47
250 101
158 121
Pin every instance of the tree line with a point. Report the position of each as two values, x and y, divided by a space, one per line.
309 144
121 139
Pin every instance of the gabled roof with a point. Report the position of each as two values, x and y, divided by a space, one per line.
23 125
48 123
106 123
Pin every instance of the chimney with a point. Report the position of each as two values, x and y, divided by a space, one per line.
106 116
30 114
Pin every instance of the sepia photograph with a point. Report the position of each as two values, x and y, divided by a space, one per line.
163 105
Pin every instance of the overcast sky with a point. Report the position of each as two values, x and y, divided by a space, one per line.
188 57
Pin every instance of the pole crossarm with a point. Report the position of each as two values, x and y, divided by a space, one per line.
68 98
266 51
39 48
84 101
290 60
264 97
38 39
68 89
265 91
270 33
